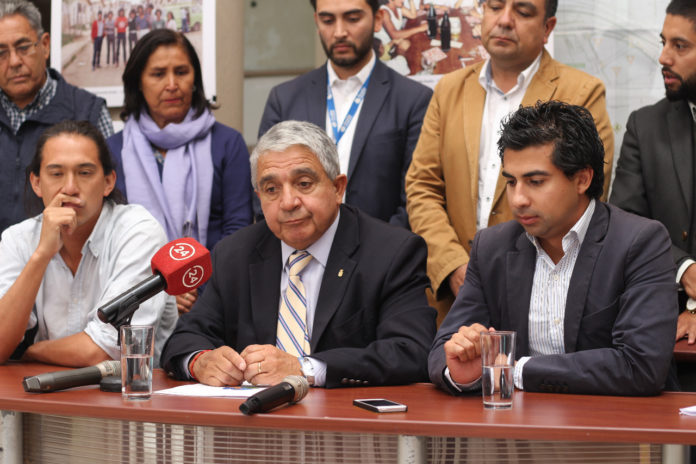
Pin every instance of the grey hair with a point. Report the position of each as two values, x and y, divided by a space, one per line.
287 134
24 8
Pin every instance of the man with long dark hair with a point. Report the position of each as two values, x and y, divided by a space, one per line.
83 250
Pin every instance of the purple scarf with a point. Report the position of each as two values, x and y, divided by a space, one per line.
181 201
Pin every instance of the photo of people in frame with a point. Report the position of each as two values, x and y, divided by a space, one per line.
96 38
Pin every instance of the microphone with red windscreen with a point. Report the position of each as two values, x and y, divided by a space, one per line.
178 267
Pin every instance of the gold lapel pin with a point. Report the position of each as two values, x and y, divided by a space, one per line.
340 273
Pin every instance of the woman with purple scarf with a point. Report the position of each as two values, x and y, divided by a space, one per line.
190 172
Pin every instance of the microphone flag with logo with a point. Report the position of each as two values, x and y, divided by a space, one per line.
184 263
178 267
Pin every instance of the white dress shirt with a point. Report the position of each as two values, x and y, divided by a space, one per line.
496 107
115 257
344 92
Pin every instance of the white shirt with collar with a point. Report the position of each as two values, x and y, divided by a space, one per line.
548 298
115 257
496 107
311 276
344 92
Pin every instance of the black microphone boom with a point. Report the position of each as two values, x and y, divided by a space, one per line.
121 308
291 390
52 381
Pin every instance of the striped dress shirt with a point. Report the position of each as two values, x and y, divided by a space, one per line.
549 293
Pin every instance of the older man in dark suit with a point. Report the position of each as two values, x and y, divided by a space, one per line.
377 113
588 287
317 289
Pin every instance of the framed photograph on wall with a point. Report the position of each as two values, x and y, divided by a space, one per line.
92 40
426 39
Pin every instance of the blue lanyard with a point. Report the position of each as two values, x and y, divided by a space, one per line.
339 131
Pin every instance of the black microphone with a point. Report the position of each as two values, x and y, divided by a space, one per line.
131 298
291 390
52 381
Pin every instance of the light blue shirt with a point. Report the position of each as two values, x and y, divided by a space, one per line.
115 257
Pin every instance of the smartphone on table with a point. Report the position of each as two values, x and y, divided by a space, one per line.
380 405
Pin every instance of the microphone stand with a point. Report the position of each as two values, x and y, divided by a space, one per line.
123 308
128 303
124 315
124 318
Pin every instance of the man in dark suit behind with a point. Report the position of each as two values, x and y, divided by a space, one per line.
655 172
359 304
588 287
375 149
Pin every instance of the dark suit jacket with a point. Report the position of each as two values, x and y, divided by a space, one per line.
620 315
386 133
655 172
372 325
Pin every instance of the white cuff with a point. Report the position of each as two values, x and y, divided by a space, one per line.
319 369
518 372
462 387
682 268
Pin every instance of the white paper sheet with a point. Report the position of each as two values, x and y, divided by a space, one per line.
198 389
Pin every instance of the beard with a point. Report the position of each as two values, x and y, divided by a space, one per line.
686 91
360 51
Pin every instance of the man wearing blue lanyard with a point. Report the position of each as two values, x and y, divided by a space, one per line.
372 113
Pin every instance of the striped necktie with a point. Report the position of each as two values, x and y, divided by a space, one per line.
292 335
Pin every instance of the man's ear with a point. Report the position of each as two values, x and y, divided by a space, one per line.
340 183
583 179
45 40
379 16
35 185
549 24
110 183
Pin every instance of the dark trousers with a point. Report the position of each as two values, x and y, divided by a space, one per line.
120 39
110 52
96 57
132 38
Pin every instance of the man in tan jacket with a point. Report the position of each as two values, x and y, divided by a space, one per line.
453 185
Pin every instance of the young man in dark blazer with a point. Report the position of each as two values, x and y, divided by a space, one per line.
376 149
360 302
588 288
655 172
